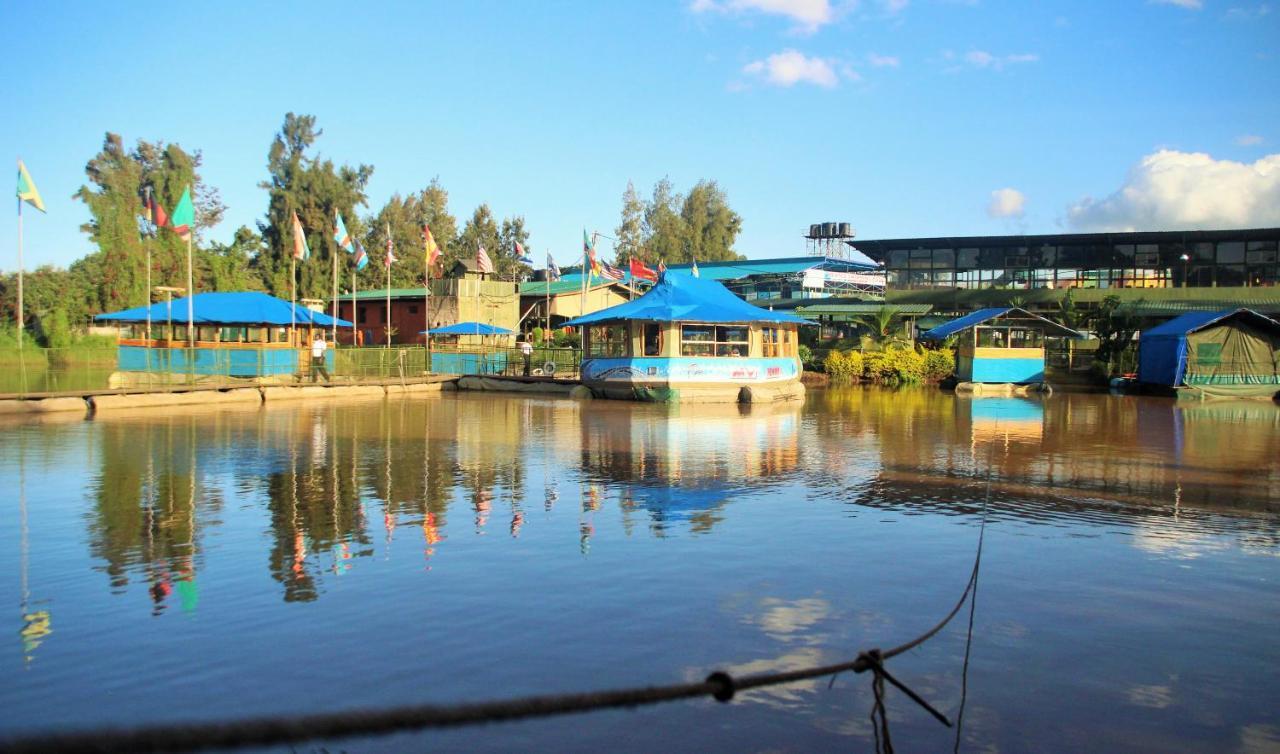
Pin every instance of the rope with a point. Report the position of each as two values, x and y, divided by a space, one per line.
267 731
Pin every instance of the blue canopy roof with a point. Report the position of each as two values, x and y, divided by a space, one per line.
684 298
947 329
242 308
470 328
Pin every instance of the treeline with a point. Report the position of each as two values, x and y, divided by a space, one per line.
667 226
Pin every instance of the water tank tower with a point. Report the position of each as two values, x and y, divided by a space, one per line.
830 239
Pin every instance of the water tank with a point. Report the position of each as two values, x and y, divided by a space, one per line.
815 230
828 230
846 230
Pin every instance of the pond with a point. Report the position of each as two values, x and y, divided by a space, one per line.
206 564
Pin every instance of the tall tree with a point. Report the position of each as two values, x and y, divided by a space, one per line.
630 230
509 267
481 230
711 226
666 236
314 188
117 178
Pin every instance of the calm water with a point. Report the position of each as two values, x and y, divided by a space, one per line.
301 558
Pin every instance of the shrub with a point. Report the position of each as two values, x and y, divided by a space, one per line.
894 366
939 364
806 355
57 330
537 335
844 366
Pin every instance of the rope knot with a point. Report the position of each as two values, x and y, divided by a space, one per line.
725 687
872 660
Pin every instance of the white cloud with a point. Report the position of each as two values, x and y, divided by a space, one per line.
1188 4
809 15
984 59
894 6
789 67
1249 140
883 61
1248 13
1172 190
1007 202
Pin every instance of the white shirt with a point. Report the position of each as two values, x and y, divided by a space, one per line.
526 348
318 348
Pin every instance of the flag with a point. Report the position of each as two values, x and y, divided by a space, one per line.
300 248
156 215
589 249
694 271
553 272
184 216
340 234
521 256
482 260
27 191
361 258
430 246
391 249
642 272
609 272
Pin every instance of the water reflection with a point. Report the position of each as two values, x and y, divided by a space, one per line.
650 539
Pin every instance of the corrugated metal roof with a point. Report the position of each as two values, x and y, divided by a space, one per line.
948 329
907 310
538 288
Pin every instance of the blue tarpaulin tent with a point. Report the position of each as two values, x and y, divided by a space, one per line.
684 298
470 328
219 309
1231 347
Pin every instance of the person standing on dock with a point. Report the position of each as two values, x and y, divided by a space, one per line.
526 350
317 359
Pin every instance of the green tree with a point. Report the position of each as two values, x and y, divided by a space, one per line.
508 267
314 189
480 230
226 267
117 178
665 233
881 325
710 225
630 230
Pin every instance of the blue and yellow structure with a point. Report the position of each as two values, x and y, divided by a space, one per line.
1002 345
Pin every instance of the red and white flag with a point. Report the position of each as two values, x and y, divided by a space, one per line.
391 248
482 260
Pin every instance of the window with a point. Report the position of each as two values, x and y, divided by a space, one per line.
771 340
652 339
1230 252
361 315
607 340
710 340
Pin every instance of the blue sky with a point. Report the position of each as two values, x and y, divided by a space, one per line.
902 117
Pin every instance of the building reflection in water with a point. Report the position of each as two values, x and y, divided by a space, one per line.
683 463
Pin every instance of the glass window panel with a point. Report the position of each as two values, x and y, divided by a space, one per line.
1231 252
897 259
967 258
1231 274
944 258
1203 251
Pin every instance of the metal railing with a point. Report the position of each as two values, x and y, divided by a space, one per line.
35 372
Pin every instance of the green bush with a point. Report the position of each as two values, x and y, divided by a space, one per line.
894 365
806 355
939 364
57 330
843 366
537 335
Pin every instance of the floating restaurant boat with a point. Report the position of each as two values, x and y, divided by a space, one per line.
244 334
688 339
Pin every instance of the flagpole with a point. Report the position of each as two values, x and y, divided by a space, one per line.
293 301
386 327
355 321
334 327
426 287
147 243
191 294
21 318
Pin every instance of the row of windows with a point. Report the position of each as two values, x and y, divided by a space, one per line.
720 341
1087 256
1190 274
207 334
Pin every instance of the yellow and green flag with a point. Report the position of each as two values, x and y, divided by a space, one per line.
27 190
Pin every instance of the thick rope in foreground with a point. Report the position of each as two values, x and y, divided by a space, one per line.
265 731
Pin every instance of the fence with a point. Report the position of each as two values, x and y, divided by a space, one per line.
49 370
